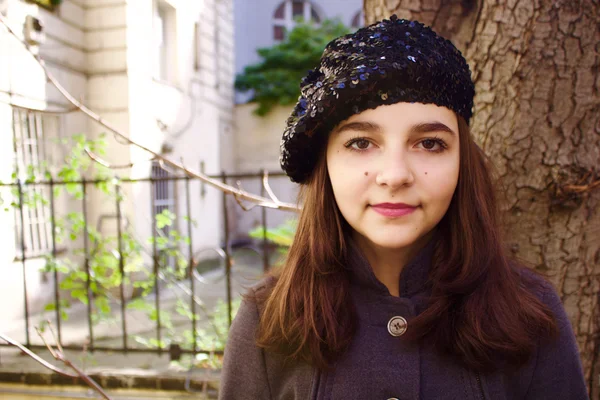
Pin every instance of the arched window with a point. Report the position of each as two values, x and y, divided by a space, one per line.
285 15
358 20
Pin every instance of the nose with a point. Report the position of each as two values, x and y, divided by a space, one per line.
395 170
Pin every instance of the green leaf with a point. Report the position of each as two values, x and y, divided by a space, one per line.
165 218
141 305
275 79
80 294
102 305
282 235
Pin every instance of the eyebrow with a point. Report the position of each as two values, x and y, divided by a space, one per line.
366 126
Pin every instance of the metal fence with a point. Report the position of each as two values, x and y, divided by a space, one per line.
31 234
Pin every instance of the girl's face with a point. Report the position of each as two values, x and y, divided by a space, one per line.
394 170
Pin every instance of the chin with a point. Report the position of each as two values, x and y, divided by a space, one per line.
392 240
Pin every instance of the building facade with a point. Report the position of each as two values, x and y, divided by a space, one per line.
160 71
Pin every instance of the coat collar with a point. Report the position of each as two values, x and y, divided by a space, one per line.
413 277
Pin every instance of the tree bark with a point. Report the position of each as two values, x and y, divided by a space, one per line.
537 115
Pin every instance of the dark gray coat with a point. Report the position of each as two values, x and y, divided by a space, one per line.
379 366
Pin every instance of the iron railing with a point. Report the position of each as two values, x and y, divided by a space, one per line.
20 189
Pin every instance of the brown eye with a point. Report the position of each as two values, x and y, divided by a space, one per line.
433 145
362 144
358 144
428 144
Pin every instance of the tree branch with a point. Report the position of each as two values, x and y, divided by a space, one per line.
59 356
259 200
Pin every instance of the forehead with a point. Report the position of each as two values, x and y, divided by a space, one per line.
399 115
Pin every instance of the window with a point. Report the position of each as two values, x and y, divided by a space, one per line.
163 192
358 20
163 198
164 30
31 132
217 52
197 46
286 14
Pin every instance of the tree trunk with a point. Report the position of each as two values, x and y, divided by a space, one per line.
537 115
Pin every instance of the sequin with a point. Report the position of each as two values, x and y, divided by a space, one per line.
390 61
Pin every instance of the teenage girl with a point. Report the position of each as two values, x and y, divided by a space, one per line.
397 284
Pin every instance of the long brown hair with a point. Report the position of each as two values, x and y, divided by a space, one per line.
480 310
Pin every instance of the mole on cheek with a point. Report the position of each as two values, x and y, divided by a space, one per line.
425 173
366 173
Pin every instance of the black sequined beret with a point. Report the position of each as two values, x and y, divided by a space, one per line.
387 62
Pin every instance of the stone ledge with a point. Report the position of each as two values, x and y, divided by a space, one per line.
112 371
111 381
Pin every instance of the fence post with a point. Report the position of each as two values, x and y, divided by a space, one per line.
264 224
227 255
155 264
188 206
86 251
24 261
121 265
53 236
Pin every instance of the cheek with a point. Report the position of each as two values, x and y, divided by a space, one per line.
350 185
439 181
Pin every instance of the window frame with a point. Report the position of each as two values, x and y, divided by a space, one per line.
30 148
288 22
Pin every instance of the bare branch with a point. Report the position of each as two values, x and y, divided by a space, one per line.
104 163
162 164
60 356
581 188
35 357
259 200
54 336
50 349
265 182
239 201
92 383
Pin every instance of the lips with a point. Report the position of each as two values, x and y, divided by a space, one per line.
393 209
395 206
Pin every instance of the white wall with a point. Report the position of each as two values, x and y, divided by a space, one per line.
23 83
102 52
257 147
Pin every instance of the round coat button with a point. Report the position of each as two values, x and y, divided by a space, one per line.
397 326
393 398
